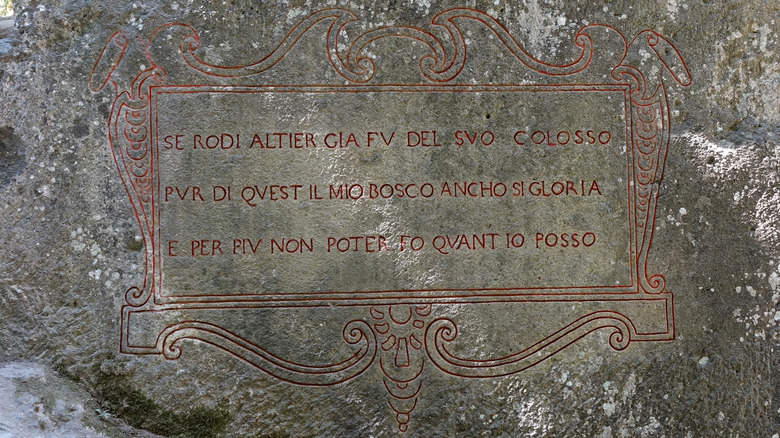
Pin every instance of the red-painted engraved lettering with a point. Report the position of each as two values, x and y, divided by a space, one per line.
556 188
283 140
273 192
338 140
173 142
206 247
372 136
422 138
565 240
357 244
246 246
518 136
594 187
446 243
484 138
293 246
221 193
415 243
557 138
190 192
313 192
346 191
474 189
515 240
221 141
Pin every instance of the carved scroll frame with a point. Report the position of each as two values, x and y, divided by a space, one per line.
402 331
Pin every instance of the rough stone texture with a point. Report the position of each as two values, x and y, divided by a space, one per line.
70 246
35 402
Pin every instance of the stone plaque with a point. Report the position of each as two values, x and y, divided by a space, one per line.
258 186
249 208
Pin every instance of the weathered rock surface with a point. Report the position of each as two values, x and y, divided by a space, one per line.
70 245
35 402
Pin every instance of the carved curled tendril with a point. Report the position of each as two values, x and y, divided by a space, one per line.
356 332
356 67
136 297
443 331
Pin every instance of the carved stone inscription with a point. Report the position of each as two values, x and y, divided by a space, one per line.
414 192
399 197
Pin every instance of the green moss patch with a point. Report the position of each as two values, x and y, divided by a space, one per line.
117 397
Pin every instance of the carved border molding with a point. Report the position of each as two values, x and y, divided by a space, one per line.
402 333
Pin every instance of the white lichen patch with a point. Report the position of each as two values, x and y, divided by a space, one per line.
760 320
672 8
752 85
541 37
296 14
95 275
609 408
78 243
759 196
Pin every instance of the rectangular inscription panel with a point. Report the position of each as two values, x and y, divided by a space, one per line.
394 190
